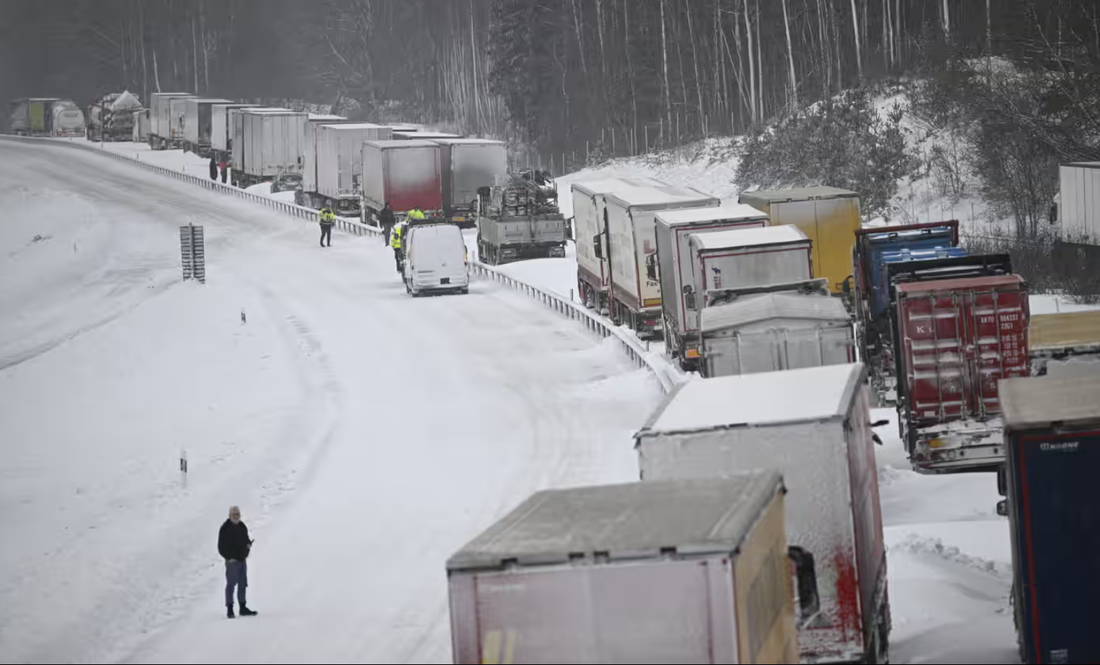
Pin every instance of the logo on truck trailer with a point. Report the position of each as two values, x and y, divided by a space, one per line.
1063 447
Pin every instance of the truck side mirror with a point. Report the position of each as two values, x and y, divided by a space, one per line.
879 423
651 266
805 574
1002 507
597 245
876 439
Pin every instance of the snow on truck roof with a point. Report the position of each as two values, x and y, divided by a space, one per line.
350 126
1039 402
771 306
797 194
325 116
753 237
467 141
726 211
751 400
660 196
395 143
709 516
609 185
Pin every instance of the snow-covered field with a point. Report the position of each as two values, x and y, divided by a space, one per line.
366 435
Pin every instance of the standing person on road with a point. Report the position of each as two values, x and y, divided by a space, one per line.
395 244
224 166
387 219
213 168
328 219
234 546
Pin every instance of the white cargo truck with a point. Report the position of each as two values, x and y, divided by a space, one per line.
676 268
724 260
236 131
337 156
628 241
177 119
1079 202
468 165
788 326
221 129
270 147
813 426
308 194
677 572
593 278
161 134
198 123
142 126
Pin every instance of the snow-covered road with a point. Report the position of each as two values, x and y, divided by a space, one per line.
365 434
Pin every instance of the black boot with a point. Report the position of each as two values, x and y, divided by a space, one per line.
245 612
229 613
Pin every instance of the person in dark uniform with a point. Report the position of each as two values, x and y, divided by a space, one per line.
387 220
213 169
234 546
328 220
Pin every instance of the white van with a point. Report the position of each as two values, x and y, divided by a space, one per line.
435 259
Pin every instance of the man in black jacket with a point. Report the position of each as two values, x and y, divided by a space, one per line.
234 546
387 219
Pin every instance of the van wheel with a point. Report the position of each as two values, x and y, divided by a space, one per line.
464 291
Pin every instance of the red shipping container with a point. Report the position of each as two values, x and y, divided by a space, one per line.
956 338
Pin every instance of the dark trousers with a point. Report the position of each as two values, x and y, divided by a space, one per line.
387 229
236 575
326 233
225 174
397 258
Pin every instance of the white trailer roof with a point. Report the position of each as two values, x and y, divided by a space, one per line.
466 141
325 116
797 194
726 211
755 237
1039 402
658 196
638 520
769 306
394 143
211 100
355 126
596 187
770 398
264 109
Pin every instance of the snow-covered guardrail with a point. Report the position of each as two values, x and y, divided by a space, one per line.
598 325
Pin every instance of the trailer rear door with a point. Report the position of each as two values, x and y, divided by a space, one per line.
957 339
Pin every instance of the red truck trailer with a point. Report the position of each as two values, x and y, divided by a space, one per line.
955 339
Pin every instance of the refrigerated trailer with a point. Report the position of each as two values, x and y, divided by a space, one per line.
467 166
270 145
163 129
676 272
955 339
814 426
404 173
828 216
593 277
32 116
662 572
628 240
221 128
334 163
198 124
1052 428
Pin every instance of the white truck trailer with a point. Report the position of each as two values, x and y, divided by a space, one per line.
468 165
1079 202
404 173
788 326
163 131
813 426
334 163
270 146
628 240
221 128
198 123
676 268
593 276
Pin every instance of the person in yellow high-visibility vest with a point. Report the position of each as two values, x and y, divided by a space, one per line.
414 214
395 244
328 219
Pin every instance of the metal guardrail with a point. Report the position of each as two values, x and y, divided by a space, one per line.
664 374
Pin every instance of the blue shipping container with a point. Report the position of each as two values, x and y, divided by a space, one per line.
880 287
1055 520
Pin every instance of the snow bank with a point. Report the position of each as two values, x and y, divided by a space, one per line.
264 189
